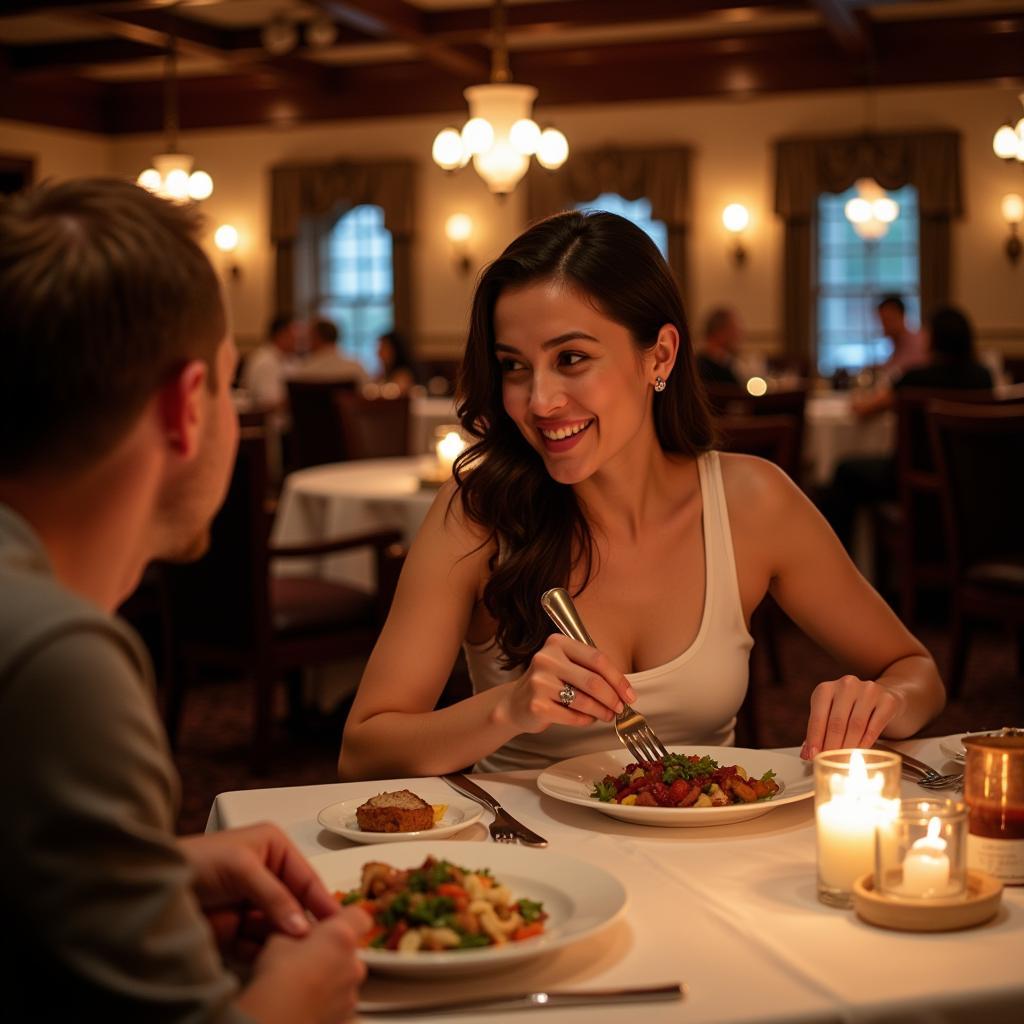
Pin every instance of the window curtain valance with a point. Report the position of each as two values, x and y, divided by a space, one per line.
306 200
804 168
661 175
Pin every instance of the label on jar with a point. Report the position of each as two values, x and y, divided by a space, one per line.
1000 858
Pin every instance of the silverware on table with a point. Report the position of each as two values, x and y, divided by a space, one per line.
532 1001
633 730
924 774
504 828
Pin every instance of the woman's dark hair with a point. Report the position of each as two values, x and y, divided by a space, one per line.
539 528
952 337
403 357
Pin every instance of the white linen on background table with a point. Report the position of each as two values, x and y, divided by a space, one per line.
730 910
833 432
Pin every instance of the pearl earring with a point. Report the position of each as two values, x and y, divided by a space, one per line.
660 384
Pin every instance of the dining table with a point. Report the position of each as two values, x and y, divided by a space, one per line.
729 910
833 432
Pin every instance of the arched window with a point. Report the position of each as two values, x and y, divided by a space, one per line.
636 210
358 281
854 274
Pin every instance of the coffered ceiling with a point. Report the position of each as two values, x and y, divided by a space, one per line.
99 66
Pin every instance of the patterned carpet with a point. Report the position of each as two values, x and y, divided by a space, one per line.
213 747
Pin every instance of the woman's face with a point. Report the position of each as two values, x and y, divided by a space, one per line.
573 381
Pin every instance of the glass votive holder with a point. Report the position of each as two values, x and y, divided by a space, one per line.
855 791
994 793
922 852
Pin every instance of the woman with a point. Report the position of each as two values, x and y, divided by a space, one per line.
593 470
396 363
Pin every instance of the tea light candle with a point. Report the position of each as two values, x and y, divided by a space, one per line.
926 866
846 824
449 448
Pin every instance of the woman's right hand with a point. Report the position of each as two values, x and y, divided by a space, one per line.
533 701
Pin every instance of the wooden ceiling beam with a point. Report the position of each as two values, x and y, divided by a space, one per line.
846 28
395 19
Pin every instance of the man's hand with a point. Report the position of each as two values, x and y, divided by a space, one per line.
252 882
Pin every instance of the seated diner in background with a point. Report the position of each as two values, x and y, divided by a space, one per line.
909 348
111 917
716 357
952 366
397 365
593 467
324 359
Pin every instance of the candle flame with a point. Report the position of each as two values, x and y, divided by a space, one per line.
450 446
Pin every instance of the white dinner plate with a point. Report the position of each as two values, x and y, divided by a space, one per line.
953 746
579 898
572 781
341 819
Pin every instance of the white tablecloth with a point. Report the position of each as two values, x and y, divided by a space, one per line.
350 497
731 911
833 432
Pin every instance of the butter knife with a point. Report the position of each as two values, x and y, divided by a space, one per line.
465 786
532 1001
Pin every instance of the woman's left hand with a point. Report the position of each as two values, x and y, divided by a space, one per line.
849 712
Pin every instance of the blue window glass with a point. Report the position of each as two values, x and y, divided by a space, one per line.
636 210
358 292
854 273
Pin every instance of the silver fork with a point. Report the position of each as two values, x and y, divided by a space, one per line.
633 730
924 774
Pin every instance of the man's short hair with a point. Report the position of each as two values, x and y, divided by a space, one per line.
104 294
279 323
892 300
717 320
325 331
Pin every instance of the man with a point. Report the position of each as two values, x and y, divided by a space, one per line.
909 348
119 437
324 361
265 368
717 355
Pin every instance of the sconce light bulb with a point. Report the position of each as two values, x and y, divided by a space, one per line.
1013 208
226 238
735 217
458 227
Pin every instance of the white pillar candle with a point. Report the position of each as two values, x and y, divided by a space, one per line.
846 825
926 865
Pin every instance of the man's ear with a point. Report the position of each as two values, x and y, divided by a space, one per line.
181 409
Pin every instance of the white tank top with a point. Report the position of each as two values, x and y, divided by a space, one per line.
693 699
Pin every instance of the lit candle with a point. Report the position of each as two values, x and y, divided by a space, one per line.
847 823
448 450
926 866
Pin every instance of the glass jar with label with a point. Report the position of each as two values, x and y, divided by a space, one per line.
994 794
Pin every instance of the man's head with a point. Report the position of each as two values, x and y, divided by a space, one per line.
891 312
284 333
722 331
322 334
111 313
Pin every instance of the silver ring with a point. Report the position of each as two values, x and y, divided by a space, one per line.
566 695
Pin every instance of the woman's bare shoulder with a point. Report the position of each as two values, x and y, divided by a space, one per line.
755 483
449 528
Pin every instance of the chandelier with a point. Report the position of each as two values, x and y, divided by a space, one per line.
1008 141
500 135
871 211
171 176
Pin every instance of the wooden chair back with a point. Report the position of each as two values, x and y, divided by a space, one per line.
373 428
317 435
769 437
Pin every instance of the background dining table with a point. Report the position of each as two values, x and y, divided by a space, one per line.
729 910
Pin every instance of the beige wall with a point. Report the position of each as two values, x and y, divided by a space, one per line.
57 154
733 163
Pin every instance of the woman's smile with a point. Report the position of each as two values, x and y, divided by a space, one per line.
562 435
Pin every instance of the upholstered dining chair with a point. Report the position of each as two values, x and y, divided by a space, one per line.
979 452
317 436
373 428
230 611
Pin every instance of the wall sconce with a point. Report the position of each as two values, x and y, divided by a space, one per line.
226 239
735 217
1013 214
458 227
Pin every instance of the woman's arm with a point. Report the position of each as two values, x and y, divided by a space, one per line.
393 729
782 542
